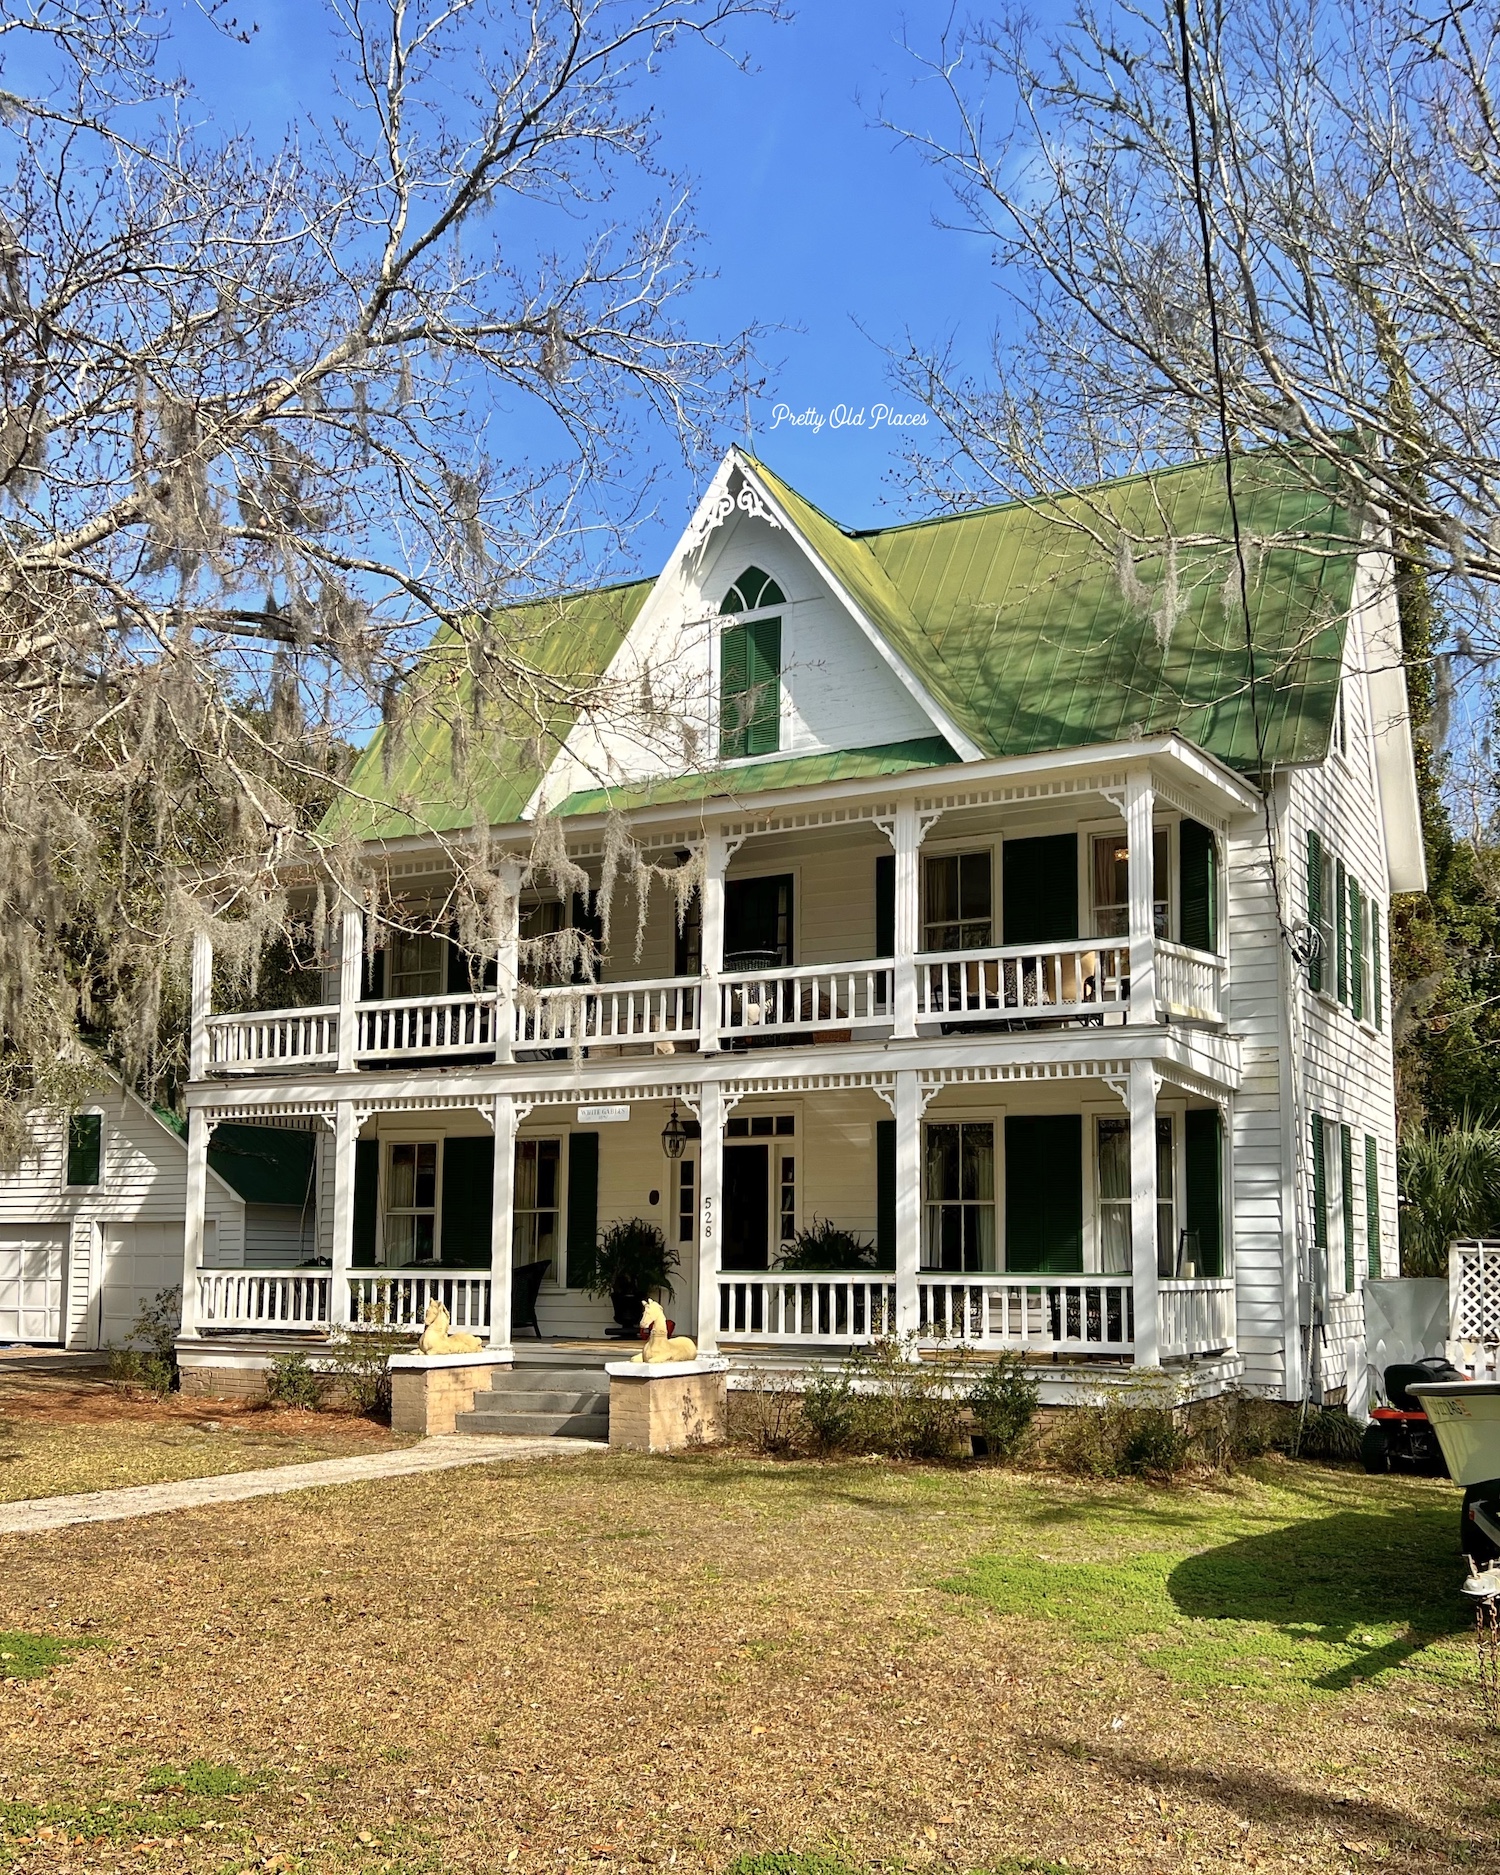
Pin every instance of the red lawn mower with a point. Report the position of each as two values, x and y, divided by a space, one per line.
1399 1436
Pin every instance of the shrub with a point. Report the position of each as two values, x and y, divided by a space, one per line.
293 1381
1239 1424
902 1406
769 1412
357 1362
1327 1432
1139 1430
1003 1401
828 1412
148 1361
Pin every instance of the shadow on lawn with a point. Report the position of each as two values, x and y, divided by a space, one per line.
1328 1579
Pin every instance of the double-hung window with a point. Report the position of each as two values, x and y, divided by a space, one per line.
750 669
957 902
1111 884
959 1190
537 1207
411 1202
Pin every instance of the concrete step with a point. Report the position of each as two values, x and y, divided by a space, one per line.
564 1400
536 1425
549 1380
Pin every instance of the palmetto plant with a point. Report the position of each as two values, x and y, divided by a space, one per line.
1450 1187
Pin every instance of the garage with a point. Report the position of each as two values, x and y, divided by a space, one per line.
32 1261
140 1260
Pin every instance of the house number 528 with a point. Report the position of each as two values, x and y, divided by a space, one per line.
708 1220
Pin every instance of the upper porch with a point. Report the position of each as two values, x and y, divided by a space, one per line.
1038 898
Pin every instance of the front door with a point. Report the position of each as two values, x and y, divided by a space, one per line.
747 1174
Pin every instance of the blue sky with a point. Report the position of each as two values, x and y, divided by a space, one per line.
816 223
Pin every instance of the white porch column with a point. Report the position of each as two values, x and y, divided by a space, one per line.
906 837
345 1133
711 942
908 1197
201 1005
502 1216
192 1231
710 1211
507 967
1140 802
351 960
1143 1088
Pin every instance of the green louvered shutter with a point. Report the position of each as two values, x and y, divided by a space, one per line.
1375 958
734 683
1340 931
1356 951
1315 905
366 1199
1044 1192
468 1199
1372 1203
583 1200
1346 1192
885 905
885 1194
85 1148
1039 882
1200 887
1203 1178
763 729
1320 1183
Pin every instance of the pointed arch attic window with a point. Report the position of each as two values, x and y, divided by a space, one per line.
750 669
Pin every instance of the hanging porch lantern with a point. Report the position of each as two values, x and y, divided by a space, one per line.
673 1135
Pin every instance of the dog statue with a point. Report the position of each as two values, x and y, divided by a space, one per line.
659 1347
439 1338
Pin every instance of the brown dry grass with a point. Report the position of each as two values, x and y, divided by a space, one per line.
64 1432
622 1663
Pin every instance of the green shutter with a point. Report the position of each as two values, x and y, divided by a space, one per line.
366 1198
885 1194
1374 911
763 730
1372 1203
1203 1179
1346 1192
1340 929
583 1199
468 1200
1356 950
1044 1193
1320 1184
1039 879
885 905
85 1148
1315 906
734 682
1198 866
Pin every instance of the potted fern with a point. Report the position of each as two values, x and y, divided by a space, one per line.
630 1262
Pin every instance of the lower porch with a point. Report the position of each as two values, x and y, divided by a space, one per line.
1082 1222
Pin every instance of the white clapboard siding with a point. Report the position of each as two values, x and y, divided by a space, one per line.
143 1179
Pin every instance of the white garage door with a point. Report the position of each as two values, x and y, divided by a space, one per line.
140 1260
32 1258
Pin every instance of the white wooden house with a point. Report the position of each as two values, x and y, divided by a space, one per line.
91 1222
1041 946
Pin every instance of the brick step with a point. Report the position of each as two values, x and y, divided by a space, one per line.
536 1425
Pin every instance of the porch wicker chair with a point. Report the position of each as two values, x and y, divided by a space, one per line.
525 1286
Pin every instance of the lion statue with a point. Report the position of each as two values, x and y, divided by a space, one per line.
659 1346
439 1338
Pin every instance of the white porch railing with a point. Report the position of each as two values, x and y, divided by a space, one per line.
580 1013
426 1025
1189 984
794 1309
400 1298
1026 982
264 1298
274 1038
814 996
1033 1314
1194 1317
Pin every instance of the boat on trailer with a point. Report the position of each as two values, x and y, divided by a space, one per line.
1465 1417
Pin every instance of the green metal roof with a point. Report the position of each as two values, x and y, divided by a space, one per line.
264 1164
1099 617
788 771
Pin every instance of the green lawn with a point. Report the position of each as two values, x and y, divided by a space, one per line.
717 1663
